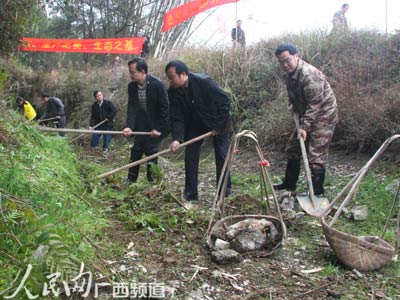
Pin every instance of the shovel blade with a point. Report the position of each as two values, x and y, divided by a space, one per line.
315 207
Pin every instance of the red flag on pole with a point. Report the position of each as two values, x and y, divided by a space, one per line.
188 10
112 45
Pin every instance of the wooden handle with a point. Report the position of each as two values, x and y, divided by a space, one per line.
94 127
49 119
305 159
48 129
138 162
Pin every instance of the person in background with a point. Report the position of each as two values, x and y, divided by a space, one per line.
311 97
29 111
116 62
102 110
198 105
237 35
146 47
54 109
339 20
147 111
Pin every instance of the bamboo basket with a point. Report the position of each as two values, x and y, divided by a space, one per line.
362 253
218 207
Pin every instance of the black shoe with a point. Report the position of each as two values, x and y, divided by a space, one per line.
291 176
129 181
190 197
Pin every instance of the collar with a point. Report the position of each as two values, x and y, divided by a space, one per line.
296 74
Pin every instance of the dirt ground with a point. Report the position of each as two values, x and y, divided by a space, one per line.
177 258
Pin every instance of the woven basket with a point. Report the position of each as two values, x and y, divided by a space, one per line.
227 221
358 253
361 253
219 201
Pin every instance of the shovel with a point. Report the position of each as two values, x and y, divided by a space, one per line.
314 206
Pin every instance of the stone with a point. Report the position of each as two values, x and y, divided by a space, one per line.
221 244
249 241
227 256
359 213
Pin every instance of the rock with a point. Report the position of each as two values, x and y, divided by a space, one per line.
226 256
246 225
289 214
218 233
272 236
40 253
249 241
287 203
359 213
221 244
334 294
392 187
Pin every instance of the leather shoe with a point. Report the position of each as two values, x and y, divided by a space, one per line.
190 197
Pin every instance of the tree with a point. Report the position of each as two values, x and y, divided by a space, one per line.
16 17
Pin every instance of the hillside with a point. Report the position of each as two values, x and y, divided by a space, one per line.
57 214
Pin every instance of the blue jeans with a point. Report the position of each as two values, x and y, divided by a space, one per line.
106 137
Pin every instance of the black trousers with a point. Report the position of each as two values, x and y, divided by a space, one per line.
143 145
192 157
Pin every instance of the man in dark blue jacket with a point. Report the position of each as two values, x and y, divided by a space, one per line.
147 111
198 105
54 109
102 110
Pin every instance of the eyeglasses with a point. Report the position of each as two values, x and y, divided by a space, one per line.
286 61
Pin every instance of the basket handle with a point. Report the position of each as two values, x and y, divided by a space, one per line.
355 182
395 200
218 203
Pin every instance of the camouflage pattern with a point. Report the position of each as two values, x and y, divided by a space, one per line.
313 99
339 21
317 144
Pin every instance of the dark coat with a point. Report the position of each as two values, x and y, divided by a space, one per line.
156 115
208 108
106 111
54 108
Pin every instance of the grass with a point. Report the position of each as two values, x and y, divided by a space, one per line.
42 207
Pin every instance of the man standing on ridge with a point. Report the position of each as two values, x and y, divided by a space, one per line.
102 110
312 98
339 20
237 35
198 105
147 111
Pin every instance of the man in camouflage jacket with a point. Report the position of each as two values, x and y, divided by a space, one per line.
339 20
312 98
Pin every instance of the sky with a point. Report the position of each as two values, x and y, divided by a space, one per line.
263 19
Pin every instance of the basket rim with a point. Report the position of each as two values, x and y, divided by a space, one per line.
385 250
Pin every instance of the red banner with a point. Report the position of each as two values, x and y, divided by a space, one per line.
113 45
188 10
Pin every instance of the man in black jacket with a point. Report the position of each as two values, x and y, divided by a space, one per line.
102 110
198 105
147 111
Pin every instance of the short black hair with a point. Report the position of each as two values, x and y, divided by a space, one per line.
19 100
44 95
179 66
141 64
95 93
286 47
345 5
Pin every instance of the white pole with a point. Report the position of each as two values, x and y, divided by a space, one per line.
386 17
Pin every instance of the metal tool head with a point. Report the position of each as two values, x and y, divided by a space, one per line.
315 207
